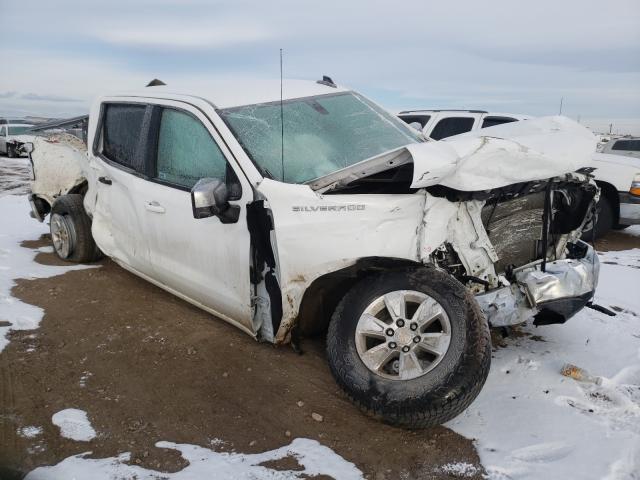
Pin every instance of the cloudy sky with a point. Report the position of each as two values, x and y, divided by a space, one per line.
506 56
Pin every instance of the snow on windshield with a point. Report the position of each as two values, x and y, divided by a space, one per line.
322 134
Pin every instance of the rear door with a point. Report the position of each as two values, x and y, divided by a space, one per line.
120 160
204 260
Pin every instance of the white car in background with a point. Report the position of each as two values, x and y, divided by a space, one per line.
618 177
439 124
12 137
627 146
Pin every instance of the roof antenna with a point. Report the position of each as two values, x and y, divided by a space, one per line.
281 120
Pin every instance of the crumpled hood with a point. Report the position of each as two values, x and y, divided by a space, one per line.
485 159
503 155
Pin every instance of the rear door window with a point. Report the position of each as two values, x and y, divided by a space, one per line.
186 151
629 145
493 121
448 127
122 133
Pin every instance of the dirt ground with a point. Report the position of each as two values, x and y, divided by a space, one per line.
148 367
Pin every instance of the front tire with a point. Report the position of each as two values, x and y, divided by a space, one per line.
70 228
11 151
410 347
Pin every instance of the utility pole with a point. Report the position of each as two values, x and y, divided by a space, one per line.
561 100
610 128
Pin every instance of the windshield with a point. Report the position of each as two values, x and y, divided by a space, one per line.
322 134
17 130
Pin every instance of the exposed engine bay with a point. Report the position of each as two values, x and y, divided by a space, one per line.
534 231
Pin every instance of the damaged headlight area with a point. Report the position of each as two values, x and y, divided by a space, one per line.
552 296
520 252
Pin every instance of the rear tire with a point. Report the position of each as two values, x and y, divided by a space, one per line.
424 395
604 220
70 228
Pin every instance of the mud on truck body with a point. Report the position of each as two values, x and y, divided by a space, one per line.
322 212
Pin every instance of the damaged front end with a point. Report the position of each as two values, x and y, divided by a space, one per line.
518 249
503 213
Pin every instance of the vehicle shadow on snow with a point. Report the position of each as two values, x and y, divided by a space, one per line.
147 367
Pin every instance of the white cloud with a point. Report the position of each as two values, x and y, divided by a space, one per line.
493 55
178 37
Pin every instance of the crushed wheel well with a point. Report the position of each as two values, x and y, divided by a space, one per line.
80 189
610 192
323 295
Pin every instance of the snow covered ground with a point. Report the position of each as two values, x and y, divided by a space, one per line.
531 422
204 463
17 262
13 172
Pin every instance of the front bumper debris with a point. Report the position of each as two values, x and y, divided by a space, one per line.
552 296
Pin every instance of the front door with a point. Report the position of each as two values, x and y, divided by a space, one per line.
204 260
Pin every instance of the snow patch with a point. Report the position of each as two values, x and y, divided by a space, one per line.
30 432
74 424
316 459
459 470
17 262
633 230
531 422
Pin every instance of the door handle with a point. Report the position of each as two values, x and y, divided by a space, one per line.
154 206
105 180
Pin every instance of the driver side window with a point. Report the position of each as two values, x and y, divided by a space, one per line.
186 151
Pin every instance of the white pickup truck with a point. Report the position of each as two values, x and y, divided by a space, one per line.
12 136
618 176
319 211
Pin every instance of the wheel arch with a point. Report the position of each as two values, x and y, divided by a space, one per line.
611 194
80 188
44 203
323 294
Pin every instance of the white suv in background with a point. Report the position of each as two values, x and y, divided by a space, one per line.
628 147
617 177
439 124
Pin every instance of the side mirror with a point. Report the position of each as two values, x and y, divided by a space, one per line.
416 126
210 197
